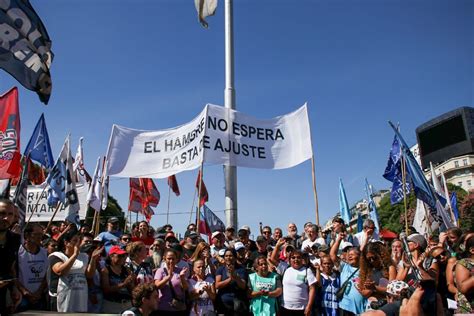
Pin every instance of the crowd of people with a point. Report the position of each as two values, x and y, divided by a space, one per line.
318 272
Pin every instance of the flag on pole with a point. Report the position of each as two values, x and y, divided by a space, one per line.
421 221
94 196
26 51
204 9
449 206
209 222
36 174
422 188
78 166
343 205
10 165
393 173
204 195
454 205
360 223
173 183
105 186
20 196
63 185
39 148
373 214
143 196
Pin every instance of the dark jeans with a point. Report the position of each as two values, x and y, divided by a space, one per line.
291 312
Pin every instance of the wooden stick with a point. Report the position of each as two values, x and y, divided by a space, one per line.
315 193
198 218
168 210
404 192
36 205
192 206
54 214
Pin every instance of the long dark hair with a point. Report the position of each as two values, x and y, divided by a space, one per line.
66 237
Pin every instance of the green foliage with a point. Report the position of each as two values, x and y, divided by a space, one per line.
392 217
113 209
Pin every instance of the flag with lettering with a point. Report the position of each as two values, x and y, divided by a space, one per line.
20 196
173 183
62 184
39 147
202 190
26 47
393 173
10 165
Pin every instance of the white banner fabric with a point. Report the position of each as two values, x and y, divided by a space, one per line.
220 136
43 212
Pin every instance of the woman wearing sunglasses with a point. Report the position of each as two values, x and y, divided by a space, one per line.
299 287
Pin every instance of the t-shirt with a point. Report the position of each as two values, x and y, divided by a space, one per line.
165 292
352 300
326 298
232 290
359 238
307 242
296 283
109 239
143 272
203 303
264 305
32 268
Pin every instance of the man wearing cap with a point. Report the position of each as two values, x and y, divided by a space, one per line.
112 235
229 237
416 245
189 245
170 240
217 239
243 234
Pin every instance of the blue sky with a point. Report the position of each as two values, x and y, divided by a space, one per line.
358 63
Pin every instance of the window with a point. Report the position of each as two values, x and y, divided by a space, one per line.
456 164
464 162
460 184
468 182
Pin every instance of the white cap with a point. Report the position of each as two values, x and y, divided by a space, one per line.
246 227
215 234
238 245
345 244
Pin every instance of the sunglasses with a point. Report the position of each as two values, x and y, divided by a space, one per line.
443 254
126 239
296 258
267 232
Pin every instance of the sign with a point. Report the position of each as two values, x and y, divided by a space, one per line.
43 212
216 136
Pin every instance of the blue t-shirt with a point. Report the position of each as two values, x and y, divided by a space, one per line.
109 239
352 300
227 294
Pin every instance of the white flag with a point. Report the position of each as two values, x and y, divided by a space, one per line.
79 169
448 199
204 9
105 187
94 195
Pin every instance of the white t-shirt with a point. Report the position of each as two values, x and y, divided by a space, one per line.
307 242
203 303
296 287
359 238
32 268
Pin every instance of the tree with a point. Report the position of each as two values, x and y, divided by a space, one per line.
113 209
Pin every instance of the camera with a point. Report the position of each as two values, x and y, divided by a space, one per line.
377 304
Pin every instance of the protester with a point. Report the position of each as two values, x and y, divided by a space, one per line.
229 237
396 252
277 234
144 300
249 244
264 288
231 285
112 235
299 287
143 234
32 267
367 234
464 278
139 267
293 238
203 253
156 252
172 286
202 289
189 245
190 229
70 268
217 239
117 281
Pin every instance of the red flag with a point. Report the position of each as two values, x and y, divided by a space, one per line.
35 173
204 196
173 183
10 166
203 226
143 195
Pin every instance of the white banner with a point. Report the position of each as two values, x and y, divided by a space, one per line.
43 212
228 137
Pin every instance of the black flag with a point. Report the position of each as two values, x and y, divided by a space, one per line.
25 47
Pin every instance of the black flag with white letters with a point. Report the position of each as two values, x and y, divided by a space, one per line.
25 47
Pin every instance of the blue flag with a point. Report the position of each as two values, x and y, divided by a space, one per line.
62 184
454 205
343 205
374 216
422 188
360 223
213 222
39 148
393 173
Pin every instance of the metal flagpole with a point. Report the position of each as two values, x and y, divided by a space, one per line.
198 217
230 172
168 210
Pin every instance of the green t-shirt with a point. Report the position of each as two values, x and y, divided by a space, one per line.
264 305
